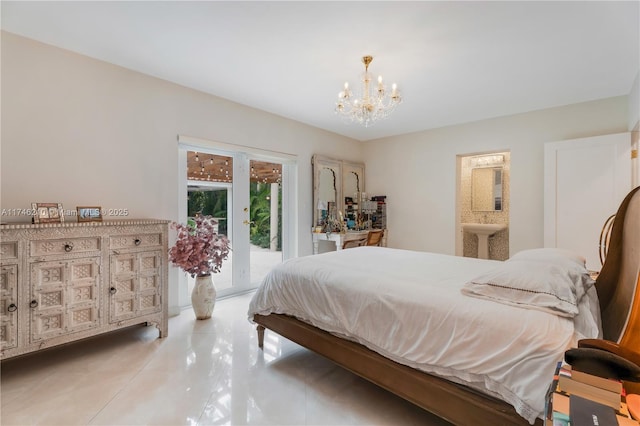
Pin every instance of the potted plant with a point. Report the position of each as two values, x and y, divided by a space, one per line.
199 251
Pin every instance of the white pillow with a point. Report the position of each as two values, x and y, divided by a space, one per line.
555 286
549 255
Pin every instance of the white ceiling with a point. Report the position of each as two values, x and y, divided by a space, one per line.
453 61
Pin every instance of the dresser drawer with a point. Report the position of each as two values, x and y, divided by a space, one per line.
63 246
9 250
134 241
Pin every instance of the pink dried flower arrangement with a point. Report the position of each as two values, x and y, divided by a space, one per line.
199 249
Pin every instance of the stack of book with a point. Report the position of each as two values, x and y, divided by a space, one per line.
579 399
605 391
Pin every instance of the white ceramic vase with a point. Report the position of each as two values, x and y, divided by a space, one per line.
203 297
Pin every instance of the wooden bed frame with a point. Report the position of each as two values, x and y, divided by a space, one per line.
616 285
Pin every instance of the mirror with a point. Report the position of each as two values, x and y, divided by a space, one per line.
353 190
335 185
327 186
486 189
327 189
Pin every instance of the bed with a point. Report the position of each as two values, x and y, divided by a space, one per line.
494 359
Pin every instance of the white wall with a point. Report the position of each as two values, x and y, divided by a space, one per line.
83 132
417 171
634 105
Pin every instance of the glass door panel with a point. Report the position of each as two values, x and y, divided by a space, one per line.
210 192
265 196
244 194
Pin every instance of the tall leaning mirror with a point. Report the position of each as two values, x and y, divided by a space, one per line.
327 188
353 190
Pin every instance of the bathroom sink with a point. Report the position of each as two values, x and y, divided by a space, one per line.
484 228
483 231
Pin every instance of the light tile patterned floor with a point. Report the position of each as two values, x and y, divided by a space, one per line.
205 373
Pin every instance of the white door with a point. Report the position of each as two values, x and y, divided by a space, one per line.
585 181
251 194
257 219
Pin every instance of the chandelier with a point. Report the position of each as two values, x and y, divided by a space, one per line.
374 103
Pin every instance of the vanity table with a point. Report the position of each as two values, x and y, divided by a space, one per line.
337 237
338 194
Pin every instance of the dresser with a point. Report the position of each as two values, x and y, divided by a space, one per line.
68 281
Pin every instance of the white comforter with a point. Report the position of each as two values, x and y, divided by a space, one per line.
408 307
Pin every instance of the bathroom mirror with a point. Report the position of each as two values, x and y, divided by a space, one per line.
327 187
486 189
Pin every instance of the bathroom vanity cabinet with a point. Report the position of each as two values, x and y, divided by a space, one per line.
67 281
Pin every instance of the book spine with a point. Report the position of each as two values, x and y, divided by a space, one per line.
552 389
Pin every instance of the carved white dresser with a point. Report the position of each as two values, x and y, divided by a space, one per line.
68 281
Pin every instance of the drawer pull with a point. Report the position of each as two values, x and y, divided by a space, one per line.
12 307
137 241
113 290
68 247
34 303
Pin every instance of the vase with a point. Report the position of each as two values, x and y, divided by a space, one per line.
203 297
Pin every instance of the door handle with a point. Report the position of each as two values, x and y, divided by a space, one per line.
248 222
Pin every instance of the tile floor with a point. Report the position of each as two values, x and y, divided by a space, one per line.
204 373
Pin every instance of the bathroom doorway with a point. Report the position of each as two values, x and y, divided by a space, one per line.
483 198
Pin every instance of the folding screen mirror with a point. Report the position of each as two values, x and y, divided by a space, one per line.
327 188
353 189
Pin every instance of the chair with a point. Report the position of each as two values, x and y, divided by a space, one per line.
374 237
355 243
605 359
621 339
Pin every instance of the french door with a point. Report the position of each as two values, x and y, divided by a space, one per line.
249 193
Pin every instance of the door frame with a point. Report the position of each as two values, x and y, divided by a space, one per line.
289 193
